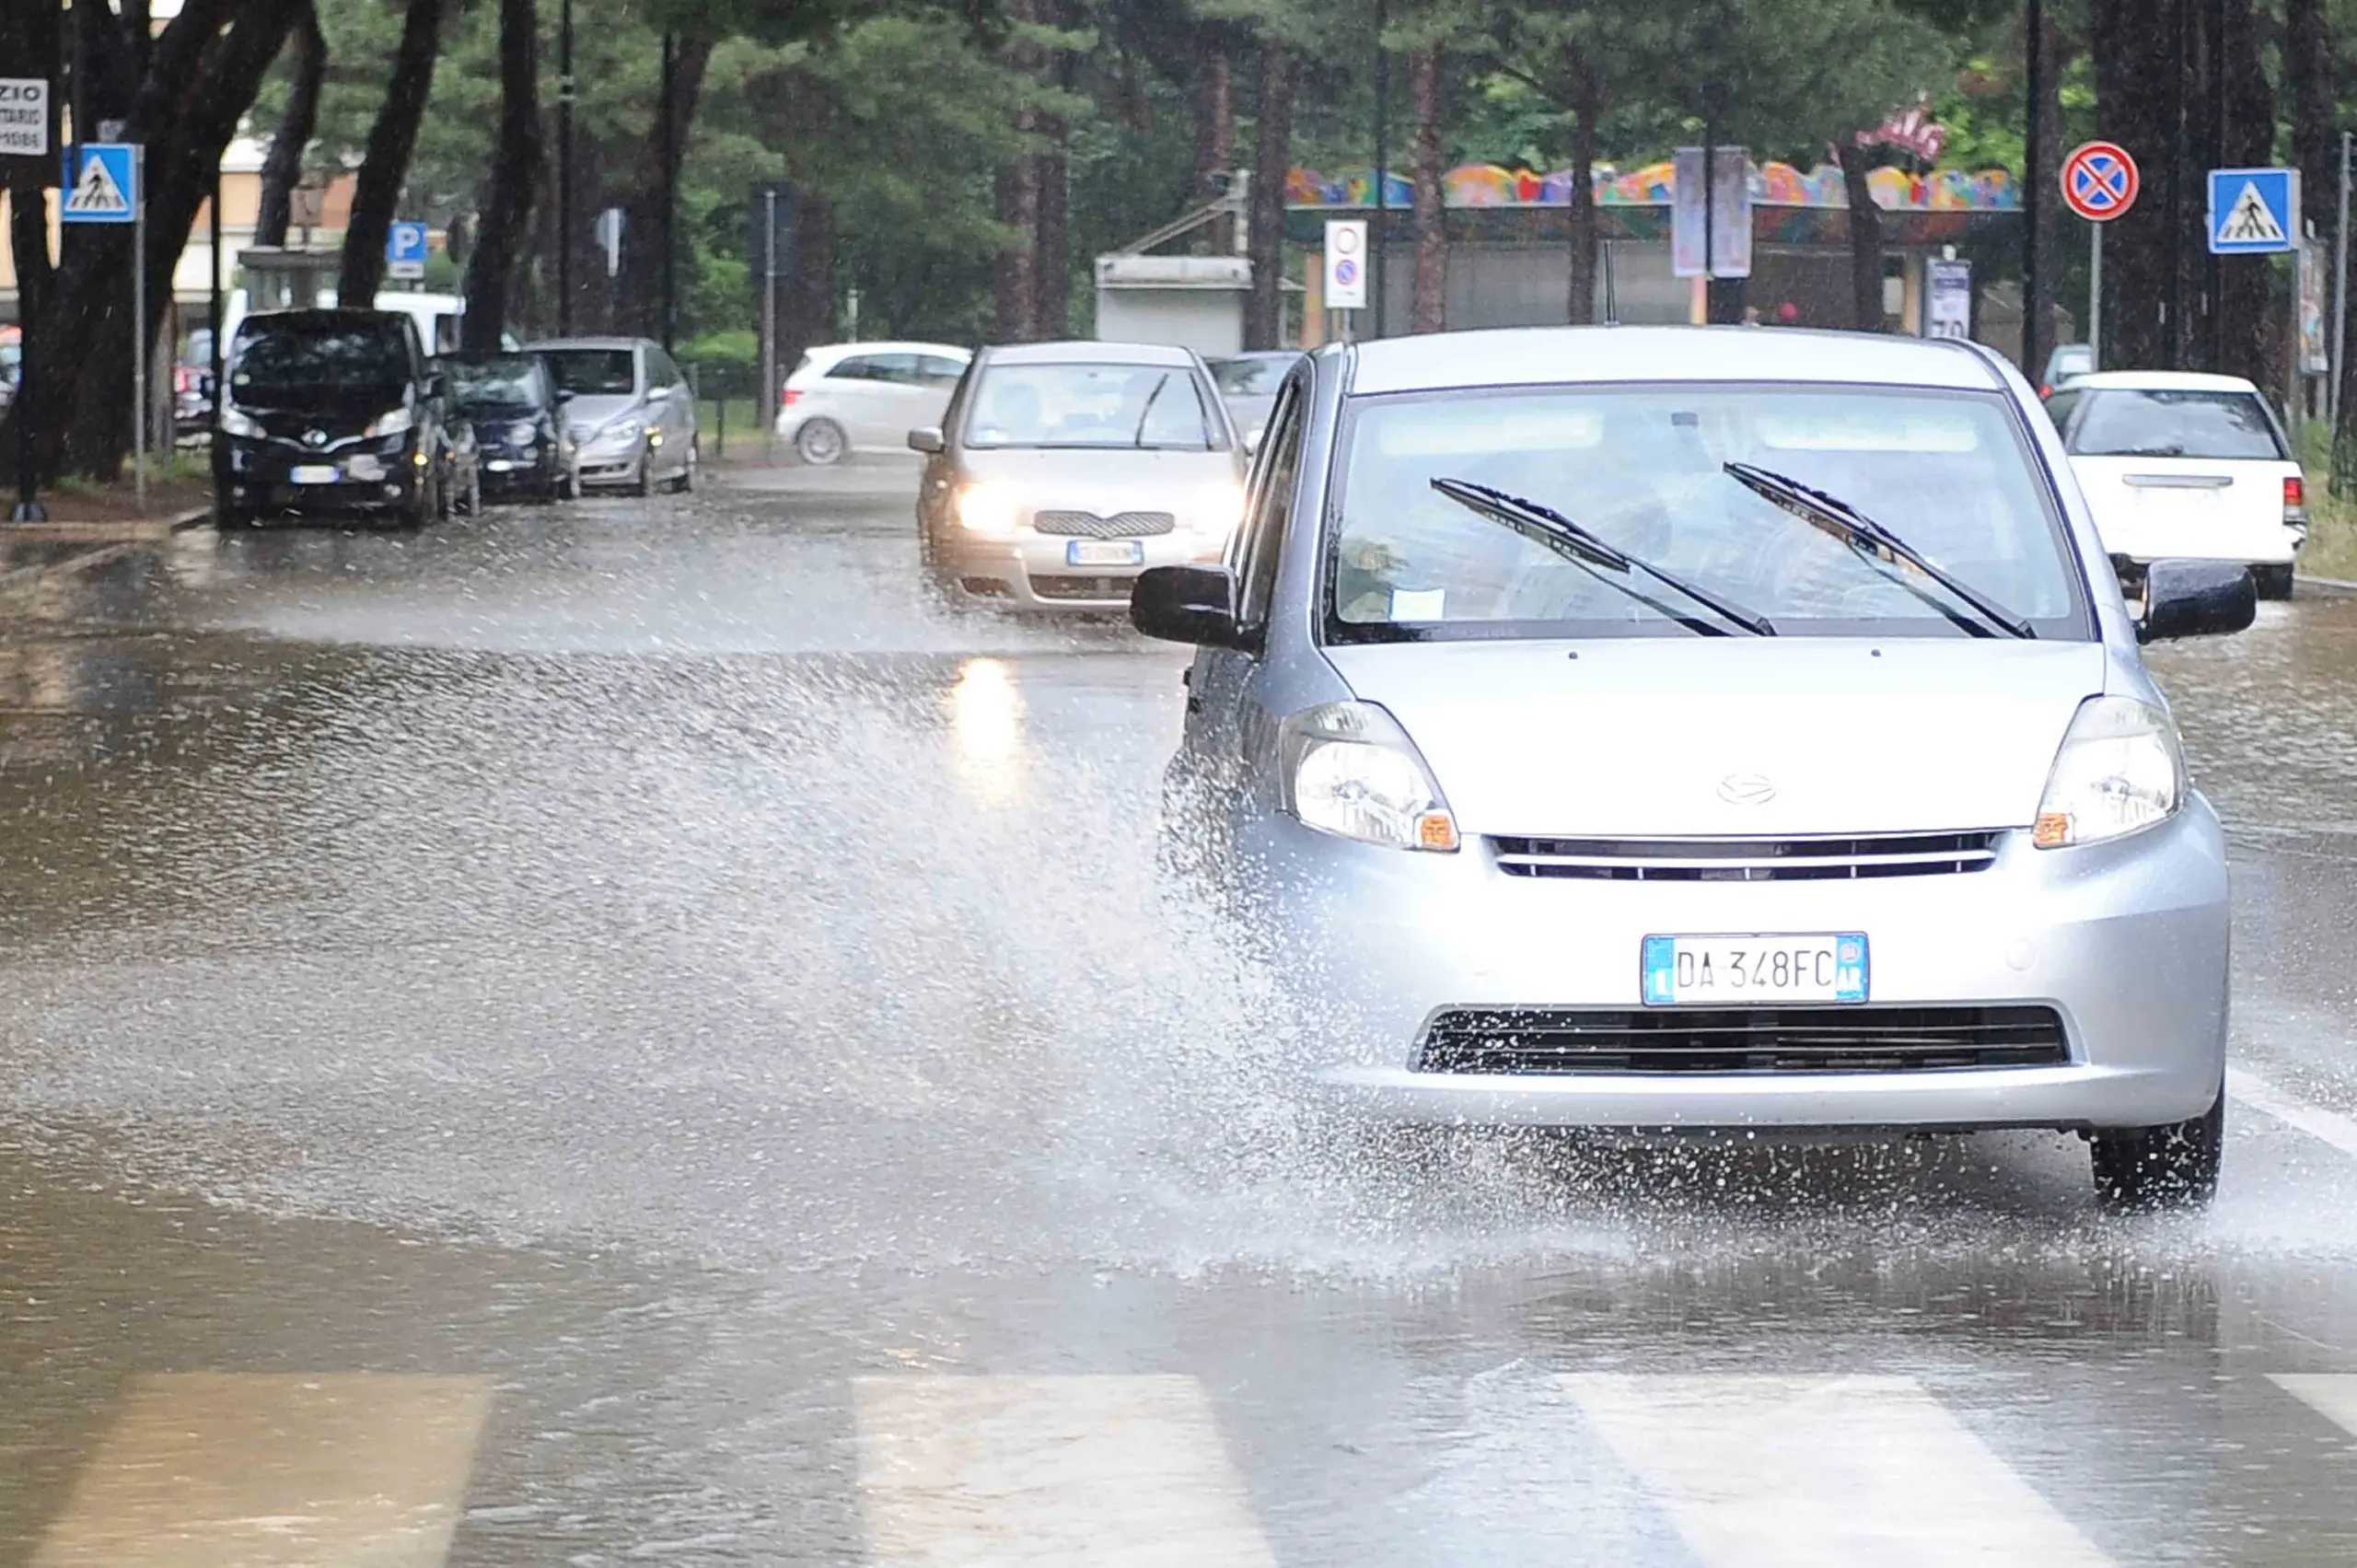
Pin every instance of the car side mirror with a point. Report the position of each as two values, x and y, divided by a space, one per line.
1252 441
926 440
437 385
2196 598
658 394
1188 604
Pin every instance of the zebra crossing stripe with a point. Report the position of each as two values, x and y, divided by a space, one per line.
221 1470
1824 1472
2332 1395
1049 1472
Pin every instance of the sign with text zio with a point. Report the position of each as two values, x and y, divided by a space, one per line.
1346 263
405 251
2253 211
24 117
105 186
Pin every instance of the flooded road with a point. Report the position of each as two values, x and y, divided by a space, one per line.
625 1033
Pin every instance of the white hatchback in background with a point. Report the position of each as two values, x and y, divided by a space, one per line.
2177 465
846 398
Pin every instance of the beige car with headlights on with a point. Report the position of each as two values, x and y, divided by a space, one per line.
1061 471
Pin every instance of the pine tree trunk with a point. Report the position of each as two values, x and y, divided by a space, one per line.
1272 153
1052 264
2253 318
283 169
2045 161
1214 132
1865 238
638 292
2137 105
517 160
1586 103
1429 309
1015 287
384 169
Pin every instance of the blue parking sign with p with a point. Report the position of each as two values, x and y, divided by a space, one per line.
405 242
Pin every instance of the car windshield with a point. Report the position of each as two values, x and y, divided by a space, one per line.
1154 406
1643 469
2133 422
508 382
276 362
1249 377
593 372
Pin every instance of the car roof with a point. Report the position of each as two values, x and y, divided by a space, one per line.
1089 351
320 316
2159 381
844 351
540 345
1541 355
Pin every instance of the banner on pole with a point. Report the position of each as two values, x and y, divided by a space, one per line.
1730 220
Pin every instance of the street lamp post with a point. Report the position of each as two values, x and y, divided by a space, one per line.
564 170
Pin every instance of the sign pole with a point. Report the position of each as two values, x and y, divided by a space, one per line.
139 330
28 120
2340 292
2095 300
2296 400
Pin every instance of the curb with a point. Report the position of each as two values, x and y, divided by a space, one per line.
2334 586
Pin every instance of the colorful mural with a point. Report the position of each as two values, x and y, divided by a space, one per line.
1772 184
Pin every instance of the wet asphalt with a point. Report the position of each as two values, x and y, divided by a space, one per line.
626 1033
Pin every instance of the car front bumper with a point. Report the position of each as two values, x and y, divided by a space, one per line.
1036 572
377 475
2126 942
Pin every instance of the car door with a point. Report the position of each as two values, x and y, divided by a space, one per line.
899 402
673 414
853 392
937 375
1218 681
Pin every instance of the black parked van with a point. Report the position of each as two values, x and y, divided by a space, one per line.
329 412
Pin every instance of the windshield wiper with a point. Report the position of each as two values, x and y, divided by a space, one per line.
1146 412
1544 525
1874 542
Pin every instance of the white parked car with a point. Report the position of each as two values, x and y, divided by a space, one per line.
845 397
2176 465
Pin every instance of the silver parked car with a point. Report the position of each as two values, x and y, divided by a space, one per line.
1660 729
630 411
1063 470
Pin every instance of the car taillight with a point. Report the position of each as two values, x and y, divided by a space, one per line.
2044 392
793 396
183 379
2295 500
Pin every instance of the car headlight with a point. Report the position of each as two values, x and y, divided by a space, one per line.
393 424
1349 770
2120 769
523 433
621 432
1216 509
233 422
988 509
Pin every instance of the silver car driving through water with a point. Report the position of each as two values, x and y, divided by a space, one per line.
1677 729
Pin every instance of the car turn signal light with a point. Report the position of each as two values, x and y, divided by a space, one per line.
1436 830
2052 831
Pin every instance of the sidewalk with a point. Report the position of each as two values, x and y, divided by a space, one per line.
101 513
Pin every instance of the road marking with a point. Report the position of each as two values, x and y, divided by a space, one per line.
1106 1472
212 1470
1817 1472
2332 1395
2330 1126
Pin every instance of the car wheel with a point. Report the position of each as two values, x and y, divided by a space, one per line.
685 484
645 484
2141 1170
227 513
821 443
2272 582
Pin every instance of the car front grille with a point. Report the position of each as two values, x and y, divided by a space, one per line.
1083 587
1089 524
1747 860
1736 1039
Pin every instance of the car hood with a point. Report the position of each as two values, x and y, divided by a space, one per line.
586 413
1110 481
1636 738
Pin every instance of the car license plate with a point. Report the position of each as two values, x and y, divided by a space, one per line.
1747 970
312 473
1104 553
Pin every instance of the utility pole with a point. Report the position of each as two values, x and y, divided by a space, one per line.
768 405
1382 179
2339 293
564 170
670 151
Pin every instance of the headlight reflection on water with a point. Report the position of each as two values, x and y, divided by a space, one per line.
986 717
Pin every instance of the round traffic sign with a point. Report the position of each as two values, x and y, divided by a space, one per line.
1346 271
2099 181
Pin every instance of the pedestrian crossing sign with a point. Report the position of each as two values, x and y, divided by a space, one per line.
105 188
2254 211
